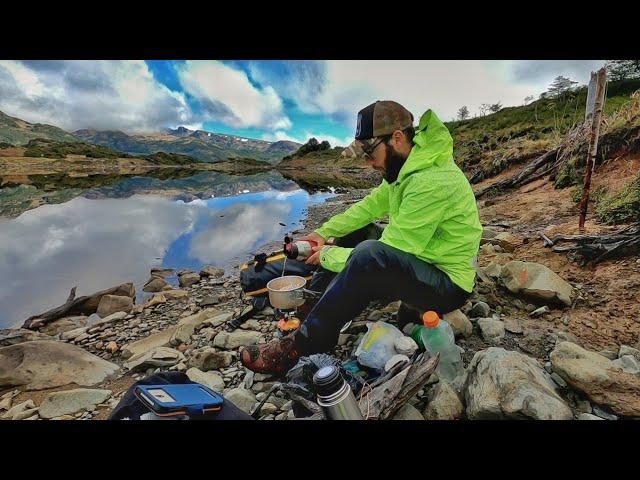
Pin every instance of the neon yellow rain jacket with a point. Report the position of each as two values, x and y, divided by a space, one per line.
431 207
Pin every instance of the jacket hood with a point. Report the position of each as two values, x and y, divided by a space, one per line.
433 145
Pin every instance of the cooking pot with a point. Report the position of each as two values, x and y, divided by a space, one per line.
288 292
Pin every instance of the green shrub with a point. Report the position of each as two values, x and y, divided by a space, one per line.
621 207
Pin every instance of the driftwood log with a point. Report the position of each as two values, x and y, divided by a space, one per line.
596 248
85 305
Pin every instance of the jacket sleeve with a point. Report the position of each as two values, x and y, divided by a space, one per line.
334 258
421 211
372 207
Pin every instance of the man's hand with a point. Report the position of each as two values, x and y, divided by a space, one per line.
314 237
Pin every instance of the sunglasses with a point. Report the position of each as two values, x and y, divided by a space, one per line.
368 151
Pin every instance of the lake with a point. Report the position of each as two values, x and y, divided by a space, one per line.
94 233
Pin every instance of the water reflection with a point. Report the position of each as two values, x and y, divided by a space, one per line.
96 244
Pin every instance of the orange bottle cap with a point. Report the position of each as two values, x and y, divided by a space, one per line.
430 319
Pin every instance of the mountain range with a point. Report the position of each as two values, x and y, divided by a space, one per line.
202 145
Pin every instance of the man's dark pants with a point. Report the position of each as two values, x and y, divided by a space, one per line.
374 271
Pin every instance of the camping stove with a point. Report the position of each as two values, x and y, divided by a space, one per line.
287 321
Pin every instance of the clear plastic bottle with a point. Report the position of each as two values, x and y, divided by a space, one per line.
437 336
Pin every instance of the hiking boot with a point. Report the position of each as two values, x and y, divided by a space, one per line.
275 357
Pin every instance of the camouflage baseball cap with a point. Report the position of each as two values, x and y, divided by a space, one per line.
377 120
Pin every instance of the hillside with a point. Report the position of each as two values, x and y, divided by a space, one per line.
15 131
484 146
205 146
52 149
314 154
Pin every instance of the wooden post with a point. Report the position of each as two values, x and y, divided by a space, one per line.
595 104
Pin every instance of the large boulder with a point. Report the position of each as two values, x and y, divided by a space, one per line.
444 403
459 322
536 281
213 272
114 303
188 279
47 364
64 325
154 284
158 357
507 384
69 402
237 338
599 378
10 336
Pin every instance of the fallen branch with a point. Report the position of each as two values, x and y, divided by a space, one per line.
596 248
547 240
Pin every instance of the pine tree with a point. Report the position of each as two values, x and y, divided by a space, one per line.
560 86
463 113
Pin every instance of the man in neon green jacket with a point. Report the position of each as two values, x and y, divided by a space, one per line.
424 257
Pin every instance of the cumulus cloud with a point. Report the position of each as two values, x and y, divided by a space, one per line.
102 95
227 95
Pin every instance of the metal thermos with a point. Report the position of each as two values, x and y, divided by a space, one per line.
298 250
335 396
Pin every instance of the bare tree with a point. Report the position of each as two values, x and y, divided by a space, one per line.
528 99
484 108
463 113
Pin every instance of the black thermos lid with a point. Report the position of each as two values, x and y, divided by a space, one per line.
328 380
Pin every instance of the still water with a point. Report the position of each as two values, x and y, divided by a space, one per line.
114 234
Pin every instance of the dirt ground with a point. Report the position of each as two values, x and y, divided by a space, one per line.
608 315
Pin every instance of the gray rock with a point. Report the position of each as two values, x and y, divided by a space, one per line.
602 414
47 364
114 303
480 309
210 359
237 338
599 378
444 403
588 416
610 354
459 322
162 272
408 412
405 345
157 357
155 284
512 325
213 380
62 325
213 272
536 281
69 402
209 300
20 411
626 350
188 279
540 311
395 360
241 398
10 336
507 384
559 380
628 363
492 330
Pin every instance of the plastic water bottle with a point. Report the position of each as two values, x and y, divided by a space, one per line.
437 336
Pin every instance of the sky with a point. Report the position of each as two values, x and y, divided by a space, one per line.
263 99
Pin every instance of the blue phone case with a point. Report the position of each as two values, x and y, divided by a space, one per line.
180 399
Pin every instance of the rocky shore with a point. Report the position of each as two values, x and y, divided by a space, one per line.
521 360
